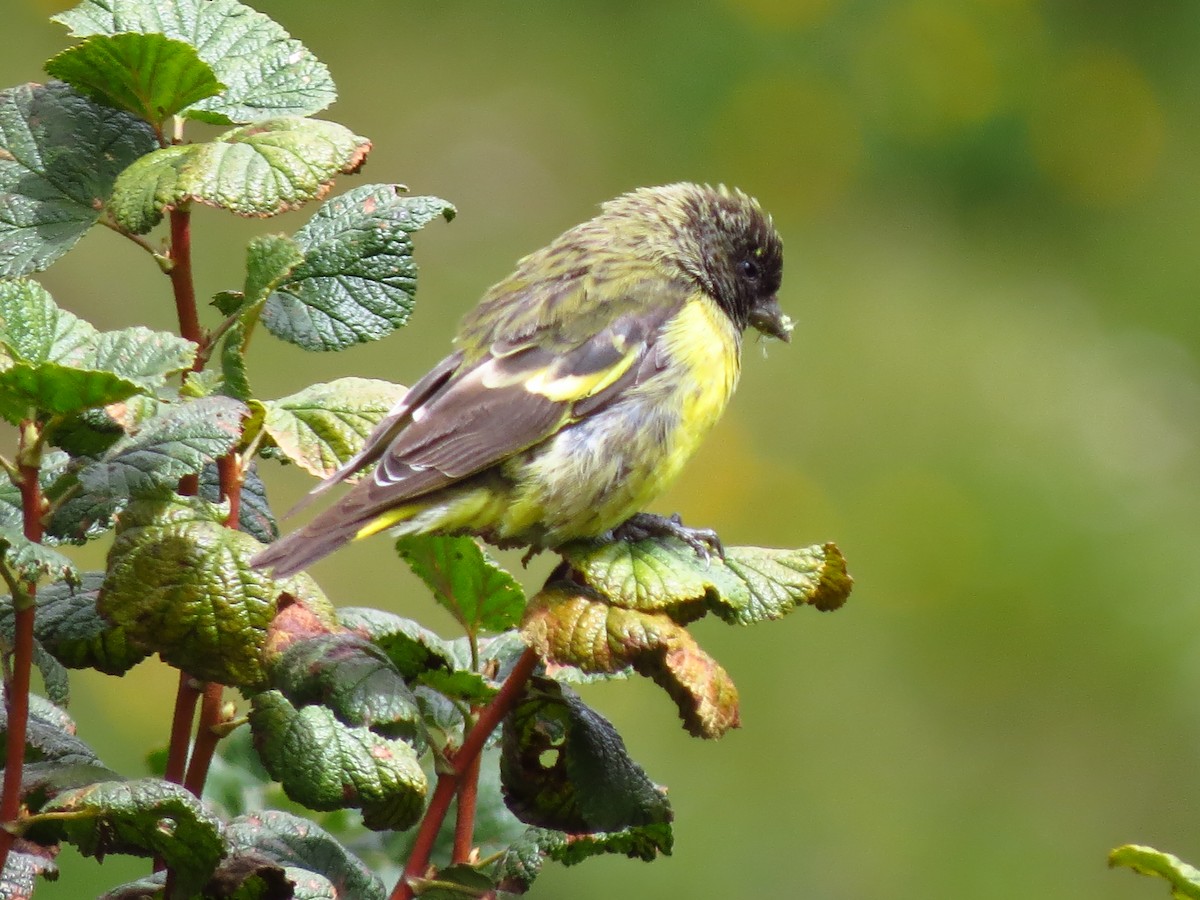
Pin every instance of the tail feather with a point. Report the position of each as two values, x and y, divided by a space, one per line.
316 540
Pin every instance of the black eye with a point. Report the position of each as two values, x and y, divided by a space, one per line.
748 268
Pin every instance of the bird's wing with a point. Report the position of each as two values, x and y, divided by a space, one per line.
471 413
515 397
379 439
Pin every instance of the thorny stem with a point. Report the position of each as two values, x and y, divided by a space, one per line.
16 688
462 762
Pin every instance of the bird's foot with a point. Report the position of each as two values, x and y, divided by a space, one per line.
638 527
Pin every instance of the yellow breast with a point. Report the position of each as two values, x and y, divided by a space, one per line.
594 474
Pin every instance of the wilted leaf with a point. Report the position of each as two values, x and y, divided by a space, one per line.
324 425
465 580
149 75
326 765
358 279
564 766
255 170
60 154
264 72
569 626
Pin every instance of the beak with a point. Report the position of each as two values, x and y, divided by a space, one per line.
768 318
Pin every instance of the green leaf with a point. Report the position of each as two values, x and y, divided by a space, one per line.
60 155
26 861
256 170
180 583
521 863
326 765
54 464
149 75
147 817
145 357
648 575
752 584
255 516
774 582
57 364
564 766
179 441
54 675
50 736
30 562
412 647
53 389
465 580
301 845
1183 878
567 625
353 678
324 425
73 631
456 882
264 71
358 280
34 329
270 259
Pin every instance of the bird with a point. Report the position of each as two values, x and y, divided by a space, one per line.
577 388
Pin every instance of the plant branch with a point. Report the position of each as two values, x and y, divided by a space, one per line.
182 281
137 239
462 761
207 736
186 698
464 812
16 688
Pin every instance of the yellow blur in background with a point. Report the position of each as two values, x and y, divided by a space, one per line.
990 211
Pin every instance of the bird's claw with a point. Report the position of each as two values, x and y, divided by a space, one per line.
703 541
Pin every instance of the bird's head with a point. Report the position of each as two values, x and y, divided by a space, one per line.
722 239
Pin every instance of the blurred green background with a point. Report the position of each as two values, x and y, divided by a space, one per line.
990 210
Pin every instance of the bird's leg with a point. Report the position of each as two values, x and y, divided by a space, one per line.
640 526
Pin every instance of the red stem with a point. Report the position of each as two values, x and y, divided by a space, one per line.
230 475
181 728
206 739
16 691
464 815
463 760
182 282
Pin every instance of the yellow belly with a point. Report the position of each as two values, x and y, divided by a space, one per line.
596 473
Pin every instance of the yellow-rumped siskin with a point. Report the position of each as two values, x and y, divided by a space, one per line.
579 385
